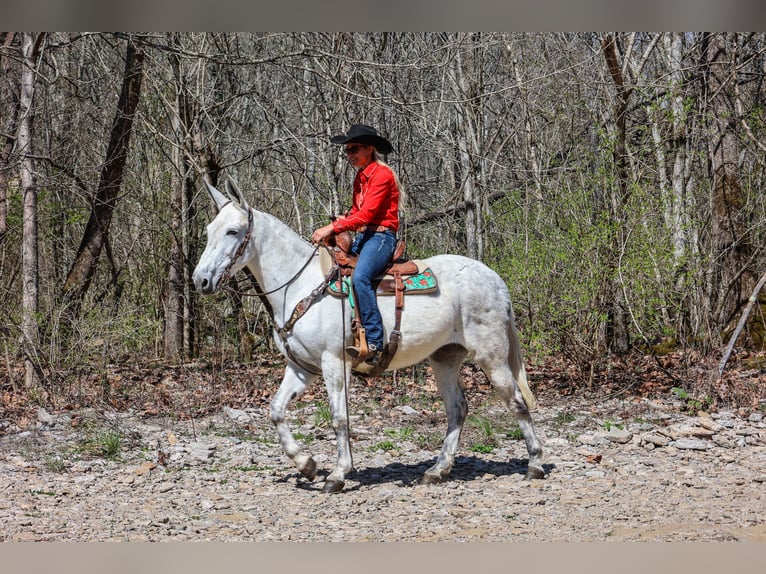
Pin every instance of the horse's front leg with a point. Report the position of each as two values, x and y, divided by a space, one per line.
336 373
294 383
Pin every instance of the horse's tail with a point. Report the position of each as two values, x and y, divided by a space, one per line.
516 362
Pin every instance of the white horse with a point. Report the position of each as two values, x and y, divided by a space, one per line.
470 312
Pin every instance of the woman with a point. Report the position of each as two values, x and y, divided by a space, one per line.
374 215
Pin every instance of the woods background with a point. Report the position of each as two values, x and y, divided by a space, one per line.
614 181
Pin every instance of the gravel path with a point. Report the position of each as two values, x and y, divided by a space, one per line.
619 470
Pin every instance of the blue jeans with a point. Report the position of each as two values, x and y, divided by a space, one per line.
375 252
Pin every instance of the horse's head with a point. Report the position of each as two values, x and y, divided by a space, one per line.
228 236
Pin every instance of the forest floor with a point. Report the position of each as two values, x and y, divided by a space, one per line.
651 449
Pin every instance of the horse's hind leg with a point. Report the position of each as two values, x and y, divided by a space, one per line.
293 384
446 366
502 379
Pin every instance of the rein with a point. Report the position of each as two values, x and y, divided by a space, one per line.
300 309
259 293
241 249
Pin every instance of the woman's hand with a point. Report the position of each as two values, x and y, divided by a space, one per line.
322 233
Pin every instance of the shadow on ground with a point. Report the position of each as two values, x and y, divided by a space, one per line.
466 469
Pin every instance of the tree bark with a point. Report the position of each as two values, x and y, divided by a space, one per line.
617 325
30 47
105 200
731 275
174 299
12 107
752 300
467 67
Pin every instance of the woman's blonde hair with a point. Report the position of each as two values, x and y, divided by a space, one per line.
379 160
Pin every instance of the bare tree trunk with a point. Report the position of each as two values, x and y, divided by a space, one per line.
731 276
529 141
174 299
469 76
12 109
678 143
97 229
752 300
617 327
30 46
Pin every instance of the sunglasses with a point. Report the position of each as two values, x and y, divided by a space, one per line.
353 149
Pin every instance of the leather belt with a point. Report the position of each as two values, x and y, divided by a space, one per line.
375 228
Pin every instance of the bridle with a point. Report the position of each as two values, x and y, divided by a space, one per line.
303 305
242 246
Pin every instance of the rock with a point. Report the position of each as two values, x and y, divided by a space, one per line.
723 442
682 430
236 415
595 474
655 439
620 436
45 417
407 410
592 439
201 452
709 424
147 466
691 444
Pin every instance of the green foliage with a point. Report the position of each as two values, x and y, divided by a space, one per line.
482 448
307 439
552 260
385 445
485 425
428 441
563 418
609 425
403 433
693 404
56 463
564 262
102 442
322 415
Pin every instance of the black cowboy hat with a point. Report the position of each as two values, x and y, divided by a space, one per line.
365 135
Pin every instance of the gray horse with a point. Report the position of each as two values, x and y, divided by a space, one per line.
470 312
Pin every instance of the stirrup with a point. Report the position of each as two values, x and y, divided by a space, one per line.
364 353
353 352
374 358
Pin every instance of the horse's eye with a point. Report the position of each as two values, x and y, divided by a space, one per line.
231 232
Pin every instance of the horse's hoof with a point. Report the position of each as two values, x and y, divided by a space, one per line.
332 486
309 469
431 479
534 473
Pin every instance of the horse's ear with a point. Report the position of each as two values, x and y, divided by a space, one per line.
233 189
218 198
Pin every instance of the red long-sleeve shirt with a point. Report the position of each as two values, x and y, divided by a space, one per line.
375 200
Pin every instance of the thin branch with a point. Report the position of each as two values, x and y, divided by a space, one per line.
742 320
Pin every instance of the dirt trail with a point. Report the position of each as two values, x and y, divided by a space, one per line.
621 470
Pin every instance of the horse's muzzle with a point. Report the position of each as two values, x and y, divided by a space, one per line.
204 283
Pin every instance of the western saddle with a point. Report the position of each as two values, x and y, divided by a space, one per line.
390 282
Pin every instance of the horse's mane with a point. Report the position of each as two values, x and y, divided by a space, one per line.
282 228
